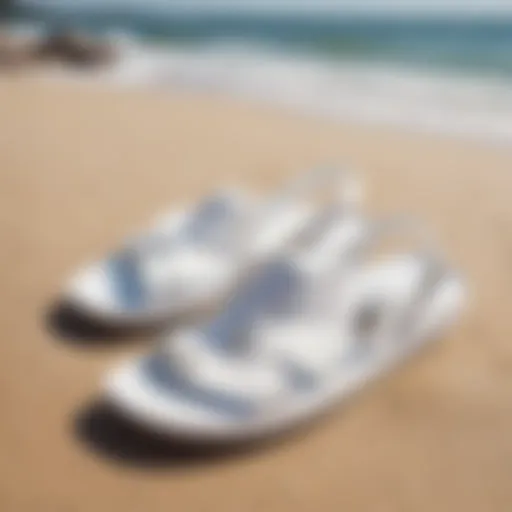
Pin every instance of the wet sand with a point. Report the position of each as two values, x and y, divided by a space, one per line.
80 168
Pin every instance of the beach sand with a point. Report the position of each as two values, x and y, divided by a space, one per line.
82 167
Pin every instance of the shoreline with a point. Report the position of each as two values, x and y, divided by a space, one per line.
380 94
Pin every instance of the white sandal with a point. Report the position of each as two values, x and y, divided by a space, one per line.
188 259
305 333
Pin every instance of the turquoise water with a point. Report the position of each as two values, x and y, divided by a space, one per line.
482 46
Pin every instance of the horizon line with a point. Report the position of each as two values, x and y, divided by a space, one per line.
368 8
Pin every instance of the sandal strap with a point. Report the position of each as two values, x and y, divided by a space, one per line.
347 189
400 225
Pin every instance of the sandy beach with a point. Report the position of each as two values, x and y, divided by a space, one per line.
81 167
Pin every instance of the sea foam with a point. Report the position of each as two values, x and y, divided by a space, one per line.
377 92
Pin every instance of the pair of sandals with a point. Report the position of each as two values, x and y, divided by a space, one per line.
310 318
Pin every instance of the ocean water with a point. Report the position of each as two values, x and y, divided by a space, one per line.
451 75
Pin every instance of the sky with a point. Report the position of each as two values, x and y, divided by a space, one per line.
460 7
